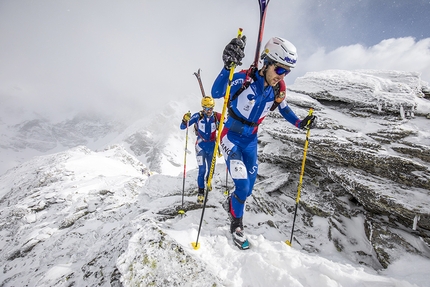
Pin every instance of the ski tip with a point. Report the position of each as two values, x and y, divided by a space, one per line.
195 246
288 242
181 211
245 245
242 245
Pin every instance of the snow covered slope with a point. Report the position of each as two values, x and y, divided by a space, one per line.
84 218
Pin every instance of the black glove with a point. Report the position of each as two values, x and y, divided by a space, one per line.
308 122
234 52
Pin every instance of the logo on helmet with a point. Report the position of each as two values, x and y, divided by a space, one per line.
289 60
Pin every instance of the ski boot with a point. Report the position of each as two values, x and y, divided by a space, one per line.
201 195
236 229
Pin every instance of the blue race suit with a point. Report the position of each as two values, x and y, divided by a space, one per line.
239 135
205 128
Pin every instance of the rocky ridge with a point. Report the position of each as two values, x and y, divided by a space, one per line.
380 175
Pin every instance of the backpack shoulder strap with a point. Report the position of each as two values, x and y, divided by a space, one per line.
217 116
250 74
280 91
195 125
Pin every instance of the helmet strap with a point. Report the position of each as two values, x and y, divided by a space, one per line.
267 62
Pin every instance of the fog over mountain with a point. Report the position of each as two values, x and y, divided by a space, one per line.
128 59
93 201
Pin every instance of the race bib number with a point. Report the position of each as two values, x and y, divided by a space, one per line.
199 160
238 169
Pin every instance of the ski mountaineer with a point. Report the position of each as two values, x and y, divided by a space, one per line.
247 108
205 125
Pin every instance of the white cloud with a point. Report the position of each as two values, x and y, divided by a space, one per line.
403 54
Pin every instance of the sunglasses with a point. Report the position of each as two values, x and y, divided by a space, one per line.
281 70
207 109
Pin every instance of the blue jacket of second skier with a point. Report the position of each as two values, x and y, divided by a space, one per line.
205 126
252 105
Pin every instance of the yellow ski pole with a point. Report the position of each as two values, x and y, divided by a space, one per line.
196 245
226 192
221 121
299 188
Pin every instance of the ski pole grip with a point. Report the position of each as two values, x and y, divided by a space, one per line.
311 111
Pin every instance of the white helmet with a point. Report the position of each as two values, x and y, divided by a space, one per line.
281 51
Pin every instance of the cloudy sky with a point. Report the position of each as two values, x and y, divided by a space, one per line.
128 57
